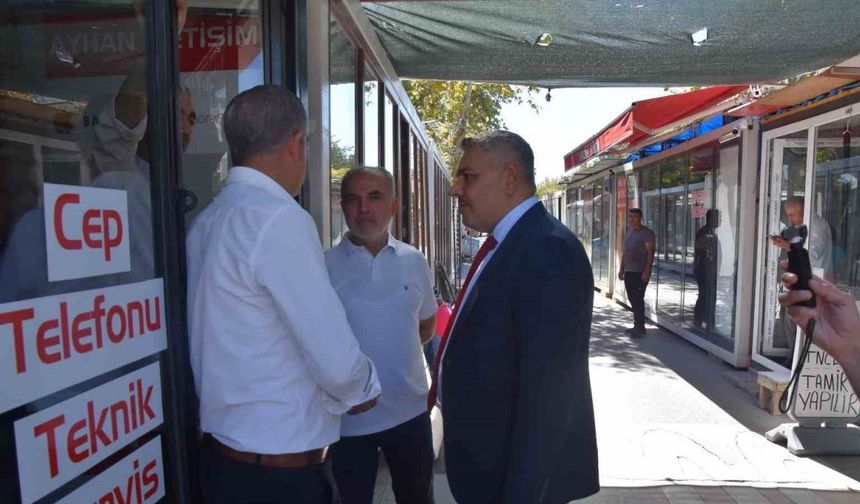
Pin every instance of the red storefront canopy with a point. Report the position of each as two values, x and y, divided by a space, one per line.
647 117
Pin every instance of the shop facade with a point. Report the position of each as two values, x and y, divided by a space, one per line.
811 157
691 197
713 200
110 145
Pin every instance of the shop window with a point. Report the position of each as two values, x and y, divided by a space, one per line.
701 246
587 217
648 196
834 243
342 106
670 240
77 235
621 202
600 237
371 118
390 135
727 178
211 76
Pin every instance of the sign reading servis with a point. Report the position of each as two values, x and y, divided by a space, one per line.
86 231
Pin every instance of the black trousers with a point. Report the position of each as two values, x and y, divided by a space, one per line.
228 481
408 450
636 294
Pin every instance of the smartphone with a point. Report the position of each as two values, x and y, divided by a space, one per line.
798 263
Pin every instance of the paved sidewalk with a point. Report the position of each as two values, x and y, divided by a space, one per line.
677 425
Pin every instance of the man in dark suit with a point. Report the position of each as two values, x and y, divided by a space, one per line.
515 390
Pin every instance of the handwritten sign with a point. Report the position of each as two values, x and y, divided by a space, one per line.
822 391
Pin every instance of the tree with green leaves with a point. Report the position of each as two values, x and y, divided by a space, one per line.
452 110
548 186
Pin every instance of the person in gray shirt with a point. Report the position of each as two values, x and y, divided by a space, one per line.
636 262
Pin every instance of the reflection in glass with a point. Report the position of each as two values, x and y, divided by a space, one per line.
787 178
670 242
649 200
836 209
371 118
212 73
342 120
73 105
700 250
587 218
726 232
390 132
597 232
606 212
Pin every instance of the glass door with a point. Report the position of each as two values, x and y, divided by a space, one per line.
786 172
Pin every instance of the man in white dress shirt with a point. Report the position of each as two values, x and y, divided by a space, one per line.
387 292
274 360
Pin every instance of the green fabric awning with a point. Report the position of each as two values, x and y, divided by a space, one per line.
615 42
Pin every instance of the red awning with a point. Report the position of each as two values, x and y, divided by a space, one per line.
648 117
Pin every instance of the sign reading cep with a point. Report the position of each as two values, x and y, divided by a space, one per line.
86 231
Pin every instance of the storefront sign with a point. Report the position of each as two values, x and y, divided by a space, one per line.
136 479
61 442
621 193
54 342
111 44
823 390
86 231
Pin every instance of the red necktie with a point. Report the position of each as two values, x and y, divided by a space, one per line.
488 245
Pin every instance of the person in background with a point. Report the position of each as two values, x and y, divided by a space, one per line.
387 291
274 360
820 238
705 255
820 247
636 261
837 320
513 380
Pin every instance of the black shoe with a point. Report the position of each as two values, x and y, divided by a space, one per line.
638 333
630 330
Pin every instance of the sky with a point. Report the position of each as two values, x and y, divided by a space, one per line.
572 117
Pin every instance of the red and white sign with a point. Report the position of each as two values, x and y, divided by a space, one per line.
621 193
59 443
54 342
86 231
91 45
136 479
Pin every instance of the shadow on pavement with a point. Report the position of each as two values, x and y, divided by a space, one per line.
732 390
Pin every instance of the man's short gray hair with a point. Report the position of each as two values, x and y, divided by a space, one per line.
515 148
260 120
353 172
795 201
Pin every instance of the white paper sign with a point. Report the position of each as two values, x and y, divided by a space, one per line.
136 479
822 390
86 231
59 443
54 342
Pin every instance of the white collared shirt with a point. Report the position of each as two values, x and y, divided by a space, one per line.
275 362
385 298
500 232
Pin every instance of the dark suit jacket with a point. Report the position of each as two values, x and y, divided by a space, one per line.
516 404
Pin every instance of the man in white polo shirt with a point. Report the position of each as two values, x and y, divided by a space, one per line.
385 287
